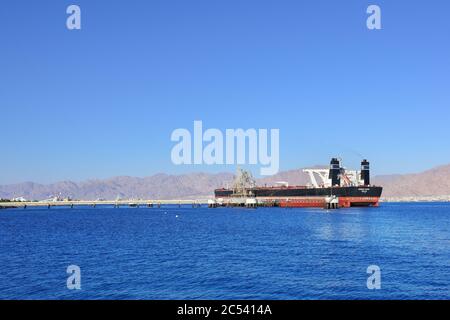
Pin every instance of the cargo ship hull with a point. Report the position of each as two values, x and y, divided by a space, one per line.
308 197
339 188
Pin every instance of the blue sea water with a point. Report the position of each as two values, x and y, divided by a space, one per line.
223 253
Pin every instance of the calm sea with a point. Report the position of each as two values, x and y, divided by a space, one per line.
264 253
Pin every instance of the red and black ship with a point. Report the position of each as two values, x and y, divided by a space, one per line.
338 188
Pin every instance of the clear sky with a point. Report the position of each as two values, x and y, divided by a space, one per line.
103 101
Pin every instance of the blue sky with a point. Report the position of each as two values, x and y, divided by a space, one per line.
103 101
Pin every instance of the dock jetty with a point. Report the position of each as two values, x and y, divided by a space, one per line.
115 203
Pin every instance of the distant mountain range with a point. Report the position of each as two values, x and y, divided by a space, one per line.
434 182
159 186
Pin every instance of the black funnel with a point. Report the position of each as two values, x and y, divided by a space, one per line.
365 172
335 168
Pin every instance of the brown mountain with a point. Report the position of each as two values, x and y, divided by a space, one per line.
434 182
160 186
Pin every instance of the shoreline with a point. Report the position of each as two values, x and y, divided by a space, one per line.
194 203
440 198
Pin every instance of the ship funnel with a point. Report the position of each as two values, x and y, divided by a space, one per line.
365 172
334 175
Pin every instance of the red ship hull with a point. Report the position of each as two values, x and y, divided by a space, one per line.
344 202
303 197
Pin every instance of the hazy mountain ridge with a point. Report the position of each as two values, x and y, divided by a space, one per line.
159 186
433 182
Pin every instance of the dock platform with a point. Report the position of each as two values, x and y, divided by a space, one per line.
115 203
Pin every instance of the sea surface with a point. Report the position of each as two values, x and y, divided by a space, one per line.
223 253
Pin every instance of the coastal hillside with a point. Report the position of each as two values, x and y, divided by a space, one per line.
434 182
159 186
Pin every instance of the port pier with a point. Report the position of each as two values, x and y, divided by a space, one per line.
94 204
